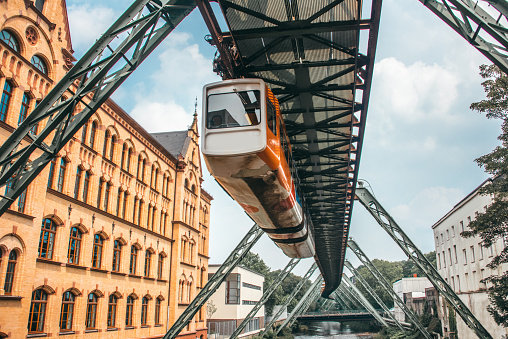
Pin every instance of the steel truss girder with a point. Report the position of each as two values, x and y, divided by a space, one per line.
361 298
137 32
406 244
311 291
340 301
349 295
268 292
289 298
314 296
481 29
371 291
214 282
387 286
294 65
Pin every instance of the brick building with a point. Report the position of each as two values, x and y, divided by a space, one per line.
111 239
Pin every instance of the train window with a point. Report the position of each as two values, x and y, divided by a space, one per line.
233 109
271 116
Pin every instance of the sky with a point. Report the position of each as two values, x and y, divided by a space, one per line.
421 138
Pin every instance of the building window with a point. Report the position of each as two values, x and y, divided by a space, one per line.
39 64
148 262
455 253
47 240
444 259
112 304
67 312
480 248
74 246
472 254
124 156
461 226
453 231
11 269
25 104
144 310
6 99
117 253
77 184
107 139
233 289
124 208
129 311
22 201
106 195
86 184
61 175
11 41
135 209
160 266
465 256
99 193
118 202
37 311
93 131
450 256
140 211
98 244
158 311
39 4
438 261
112 148
91 311
83 133
134 259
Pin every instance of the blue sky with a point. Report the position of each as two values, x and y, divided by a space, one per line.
421 137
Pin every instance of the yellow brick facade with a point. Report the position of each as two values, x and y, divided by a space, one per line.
113 199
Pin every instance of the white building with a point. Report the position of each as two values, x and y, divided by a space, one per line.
412 292
462 262
233 300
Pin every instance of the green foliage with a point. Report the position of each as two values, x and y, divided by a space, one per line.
493 224
254 262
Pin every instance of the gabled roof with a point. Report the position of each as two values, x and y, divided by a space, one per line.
174 142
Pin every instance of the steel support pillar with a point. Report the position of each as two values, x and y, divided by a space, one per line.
316 286
397 234
344 300
315 295
388 287
214 282
268 292
289 298
347 293
87 85
480 26
374 295
339 300
361 298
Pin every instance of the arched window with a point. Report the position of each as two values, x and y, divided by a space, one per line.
128 160
93 131
106 195
107 139
160 266
112 305
117 254
11 269
51 175
133 260
10 40
37 311
99 193
112 148
77 184
61 175
98 244
83 133
39 64
91 311
140 167
148 263
74 246
25 105
144 311
5 101
129 310
86 185
158 311
186 183
124 208
39 4
193 189
47 240
67 312
22 201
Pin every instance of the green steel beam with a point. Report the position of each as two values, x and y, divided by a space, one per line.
406 244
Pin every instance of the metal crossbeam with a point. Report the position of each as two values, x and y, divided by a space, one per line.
374 295
313 289
268 292
406 244
470 19
349 295
387 286
339 300
289 298
214 282
361 298
108 63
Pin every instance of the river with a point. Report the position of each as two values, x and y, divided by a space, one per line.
318 330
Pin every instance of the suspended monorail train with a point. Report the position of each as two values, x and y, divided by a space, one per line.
246 149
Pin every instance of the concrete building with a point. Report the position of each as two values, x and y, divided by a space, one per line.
111 239
234 299
462 262
412 291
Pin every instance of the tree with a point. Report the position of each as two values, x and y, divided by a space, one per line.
254 262
492 225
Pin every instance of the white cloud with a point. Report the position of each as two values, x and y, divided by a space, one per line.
88 22
157 116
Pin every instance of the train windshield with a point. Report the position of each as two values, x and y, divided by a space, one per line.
239 108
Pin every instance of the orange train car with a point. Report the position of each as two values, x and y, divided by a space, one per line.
246 149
